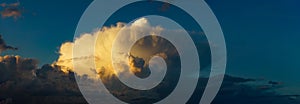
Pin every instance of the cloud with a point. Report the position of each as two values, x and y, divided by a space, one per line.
102 42
98 46
11 65
11 10
22 81
16 4
49 84
93 52
136 64
237 90
4 47
165 6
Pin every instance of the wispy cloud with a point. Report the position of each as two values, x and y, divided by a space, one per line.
4 47
16 4
11 10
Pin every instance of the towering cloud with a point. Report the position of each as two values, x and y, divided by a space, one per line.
97 47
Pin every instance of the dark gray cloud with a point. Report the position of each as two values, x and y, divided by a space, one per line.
4 47
236 90
21 81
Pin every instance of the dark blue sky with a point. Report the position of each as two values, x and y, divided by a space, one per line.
262 37
43 27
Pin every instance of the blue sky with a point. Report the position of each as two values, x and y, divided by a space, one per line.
43 27
261 36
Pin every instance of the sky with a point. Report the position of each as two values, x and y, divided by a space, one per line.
43 27
261 36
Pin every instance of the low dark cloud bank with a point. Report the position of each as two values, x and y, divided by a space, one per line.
236 90
23 82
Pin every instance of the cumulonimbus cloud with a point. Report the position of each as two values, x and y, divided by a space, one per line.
101 42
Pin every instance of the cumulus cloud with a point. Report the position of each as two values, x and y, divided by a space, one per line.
92 55
21 81
15 64
11 10
100 44
107 51
136 64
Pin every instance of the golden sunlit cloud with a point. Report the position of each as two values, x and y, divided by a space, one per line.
92 51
